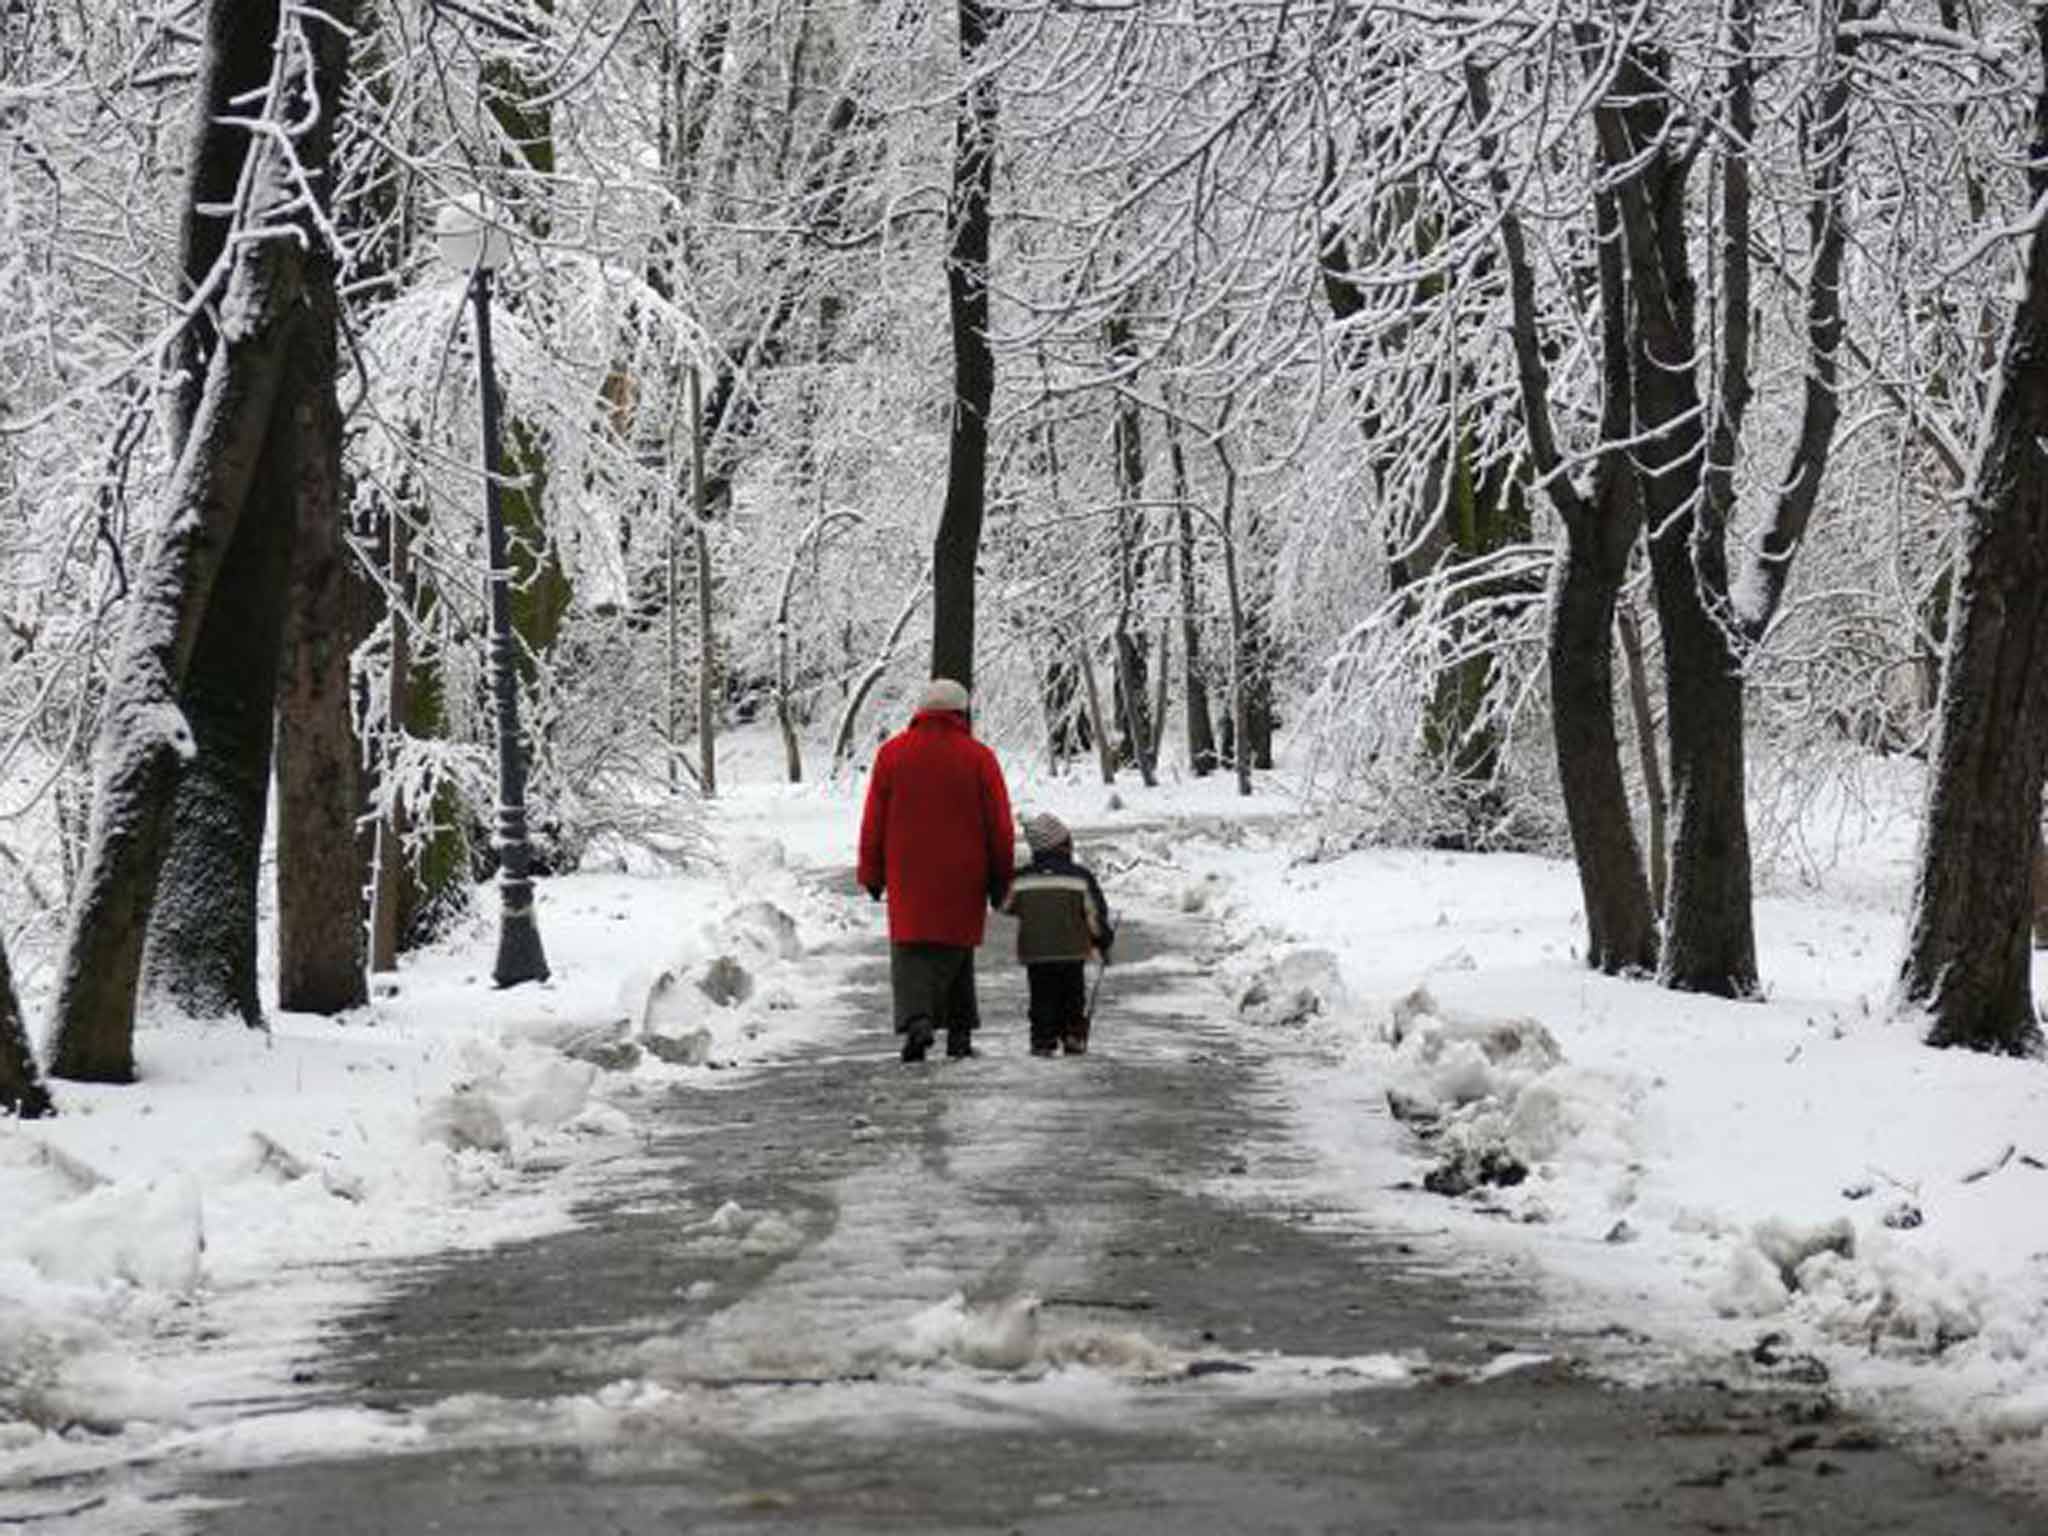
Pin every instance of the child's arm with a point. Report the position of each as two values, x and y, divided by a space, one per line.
1099 928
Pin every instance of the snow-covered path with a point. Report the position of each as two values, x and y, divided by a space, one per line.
1100 1294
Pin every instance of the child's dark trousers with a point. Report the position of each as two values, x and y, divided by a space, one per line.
1059 1006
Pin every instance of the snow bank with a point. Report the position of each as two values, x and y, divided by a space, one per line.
174 1243
1794 1186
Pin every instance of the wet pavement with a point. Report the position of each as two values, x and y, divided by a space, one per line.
1258 1357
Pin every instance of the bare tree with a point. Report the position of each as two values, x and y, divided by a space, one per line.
1968 960
144 738
957 544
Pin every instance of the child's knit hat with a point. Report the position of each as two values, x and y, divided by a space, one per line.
1045 832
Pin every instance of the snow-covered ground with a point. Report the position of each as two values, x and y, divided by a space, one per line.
1702 1173
1792 1188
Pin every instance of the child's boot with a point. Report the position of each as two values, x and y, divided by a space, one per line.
1075 1039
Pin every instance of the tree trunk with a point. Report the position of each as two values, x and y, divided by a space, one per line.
1256 723
1105 752
1709 937
957 545
1656 808
1621 930
320 873
1240 641
143 735
22 1093
1162 676
1136 746
200 953
842 738
1066 717
707 620
1968 961
1201 727
1600 528
201 950
389 878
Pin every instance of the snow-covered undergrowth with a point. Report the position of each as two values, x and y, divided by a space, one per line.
171 1247
1793 1188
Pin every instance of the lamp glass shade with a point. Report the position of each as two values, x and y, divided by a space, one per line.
471 234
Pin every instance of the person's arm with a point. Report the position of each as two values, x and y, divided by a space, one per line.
874 828
1002 833
1098 916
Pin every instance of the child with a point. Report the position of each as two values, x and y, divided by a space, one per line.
1061 920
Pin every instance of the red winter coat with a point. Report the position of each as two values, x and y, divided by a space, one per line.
936 831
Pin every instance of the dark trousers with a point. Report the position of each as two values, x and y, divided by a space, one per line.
934 989
1059 1004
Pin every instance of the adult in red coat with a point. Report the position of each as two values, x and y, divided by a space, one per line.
936 836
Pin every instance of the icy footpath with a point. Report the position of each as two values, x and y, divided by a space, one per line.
1786 1190
173 1246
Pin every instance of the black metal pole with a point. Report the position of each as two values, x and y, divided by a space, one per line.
520 957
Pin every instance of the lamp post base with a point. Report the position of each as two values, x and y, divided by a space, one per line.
520 956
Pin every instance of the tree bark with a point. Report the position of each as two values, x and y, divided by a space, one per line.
22 1093
201 950
320 873
200 953
1201 732
842 738
1968 962
143 736
1709 937
1656 808
1600 528
957 545
1091 693
707 619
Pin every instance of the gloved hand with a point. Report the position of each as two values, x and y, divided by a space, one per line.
997 890
874 893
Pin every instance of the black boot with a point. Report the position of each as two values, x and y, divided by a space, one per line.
917 1039
959 1042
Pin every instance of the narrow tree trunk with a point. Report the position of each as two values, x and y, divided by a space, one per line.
22 1093
1130 698
1656 807
957 545
1240 706
1968 962
1105 751
320 873
1710 940
1621 932
388 878
1255 694
785 709
842 738
1161 679
707 637
1066 717
1600 528
1201 732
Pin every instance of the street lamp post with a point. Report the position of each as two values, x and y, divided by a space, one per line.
471 240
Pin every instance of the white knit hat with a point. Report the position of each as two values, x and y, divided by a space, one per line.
1045 832
944 693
